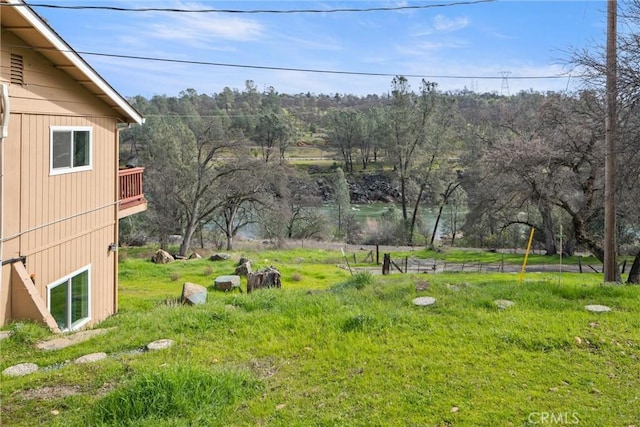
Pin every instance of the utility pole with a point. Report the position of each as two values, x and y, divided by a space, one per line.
611 273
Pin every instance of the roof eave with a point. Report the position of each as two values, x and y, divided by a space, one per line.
130 115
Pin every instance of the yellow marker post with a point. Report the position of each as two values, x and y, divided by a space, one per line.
526 256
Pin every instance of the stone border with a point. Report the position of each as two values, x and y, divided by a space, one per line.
23 369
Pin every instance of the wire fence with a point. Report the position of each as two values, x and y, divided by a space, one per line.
425 266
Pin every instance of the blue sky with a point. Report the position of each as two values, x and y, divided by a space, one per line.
472 41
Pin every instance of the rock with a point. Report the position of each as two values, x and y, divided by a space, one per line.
244 269
243 260
503 304
195 255
162 257
422 286
20 370
193 294
90 358
424 301
160 344
69 340
5 334
227 283
597 308
219 257
266 278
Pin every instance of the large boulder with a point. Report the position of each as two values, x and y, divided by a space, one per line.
193 294
162 257
219 257
227 283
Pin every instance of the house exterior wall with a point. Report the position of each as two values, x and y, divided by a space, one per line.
64 222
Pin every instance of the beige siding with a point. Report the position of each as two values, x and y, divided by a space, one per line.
51 264
46 89
61 222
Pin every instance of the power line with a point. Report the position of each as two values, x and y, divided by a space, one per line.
293 69
314 70
255 11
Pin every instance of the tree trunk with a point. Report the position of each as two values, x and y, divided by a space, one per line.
186 240
229 235
435 226
583 238
634 273
547 228
403 198
414 216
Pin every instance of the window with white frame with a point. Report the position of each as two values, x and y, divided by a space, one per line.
69 299
70 149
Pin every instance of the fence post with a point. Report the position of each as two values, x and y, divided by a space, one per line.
386 264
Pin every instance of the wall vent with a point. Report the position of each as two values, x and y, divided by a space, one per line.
17 70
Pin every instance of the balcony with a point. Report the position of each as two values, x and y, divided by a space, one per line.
132 199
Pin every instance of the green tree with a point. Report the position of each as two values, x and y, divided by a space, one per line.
346 133
407 123
342 198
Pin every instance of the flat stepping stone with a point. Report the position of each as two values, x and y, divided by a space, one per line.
68 340
227 283
503 303
160 344
20 370
90 358
424 301
596 308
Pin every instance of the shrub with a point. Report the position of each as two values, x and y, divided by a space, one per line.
27 332
357 281
176 393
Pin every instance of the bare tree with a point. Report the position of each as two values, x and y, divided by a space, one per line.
237 195
205 168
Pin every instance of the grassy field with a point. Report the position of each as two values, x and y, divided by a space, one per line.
334 349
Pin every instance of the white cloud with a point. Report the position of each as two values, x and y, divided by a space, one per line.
443 24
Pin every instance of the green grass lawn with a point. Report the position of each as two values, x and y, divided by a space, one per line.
330 349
